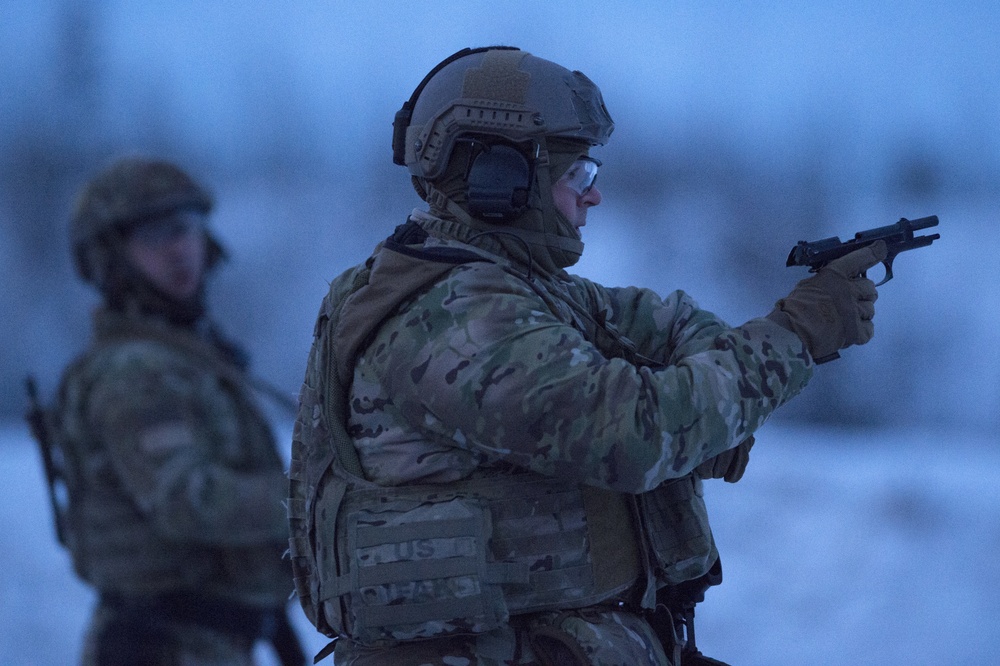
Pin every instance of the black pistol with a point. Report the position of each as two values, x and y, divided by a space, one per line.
898 238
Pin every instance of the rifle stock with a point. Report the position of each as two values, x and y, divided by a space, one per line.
38 423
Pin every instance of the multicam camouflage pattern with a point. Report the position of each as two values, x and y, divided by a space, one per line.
598 637
675 523
549 546
425 560
176 483
487 367
593 636
482 371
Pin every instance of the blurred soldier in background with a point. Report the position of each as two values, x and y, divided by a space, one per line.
175 513
497 462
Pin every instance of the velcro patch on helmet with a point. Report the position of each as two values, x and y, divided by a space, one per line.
499 78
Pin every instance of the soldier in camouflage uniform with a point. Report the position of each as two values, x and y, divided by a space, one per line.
176 488
498 462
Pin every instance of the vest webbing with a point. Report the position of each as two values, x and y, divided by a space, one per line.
346 590
424 560
324 461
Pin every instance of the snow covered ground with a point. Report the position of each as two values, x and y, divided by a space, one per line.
870 548
838 548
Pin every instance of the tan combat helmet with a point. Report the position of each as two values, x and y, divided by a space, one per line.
498 91
129 191
485 135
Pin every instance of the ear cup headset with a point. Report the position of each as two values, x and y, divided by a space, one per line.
499 180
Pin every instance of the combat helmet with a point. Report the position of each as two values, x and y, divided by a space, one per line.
129 191
497 95
500 91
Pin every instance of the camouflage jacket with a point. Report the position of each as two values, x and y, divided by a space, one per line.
610 387
176 483
450 387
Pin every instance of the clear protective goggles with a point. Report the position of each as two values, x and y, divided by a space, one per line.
581 175
163 230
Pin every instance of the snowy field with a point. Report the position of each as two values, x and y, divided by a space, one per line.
874 548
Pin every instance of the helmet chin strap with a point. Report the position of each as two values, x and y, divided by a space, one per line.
565 248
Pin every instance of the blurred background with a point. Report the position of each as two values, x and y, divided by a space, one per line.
742 128
740 131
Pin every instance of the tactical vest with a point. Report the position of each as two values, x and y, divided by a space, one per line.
114 546
387 564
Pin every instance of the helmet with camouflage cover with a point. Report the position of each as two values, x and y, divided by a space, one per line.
129 191
489 130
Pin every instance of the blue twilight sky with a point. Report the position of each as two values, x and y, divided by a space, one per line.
756 123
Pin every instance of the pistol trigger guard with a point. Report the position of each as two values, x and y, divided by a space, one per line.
888 270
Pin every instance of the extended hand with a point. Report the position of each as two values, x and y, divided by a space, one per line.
834 308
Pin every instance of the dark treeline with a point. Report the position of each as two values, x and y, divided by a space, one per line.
702 192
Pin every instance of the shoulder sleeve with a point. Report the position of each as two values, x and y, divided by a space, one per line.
480 360
174 440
